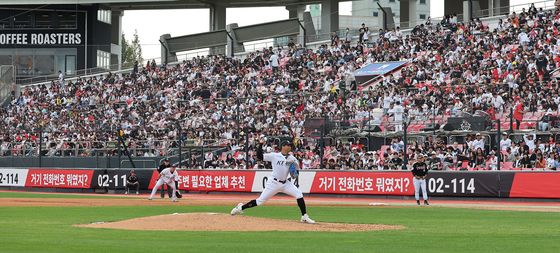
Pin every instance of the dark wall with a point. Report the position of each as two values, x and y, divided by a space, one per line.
453 7
99 36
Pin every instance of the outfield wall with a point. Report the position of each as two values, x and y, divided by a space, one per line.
501 184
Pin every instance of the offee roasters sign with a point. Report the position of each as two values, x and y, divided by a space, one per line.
7 39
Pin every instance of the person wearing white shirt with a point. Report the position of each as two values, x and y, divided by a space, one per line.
365 36
498 102
478 142
284 168
523 38
530 141
274 62
387 103
398 112
61 77
167 176
398 33
505 143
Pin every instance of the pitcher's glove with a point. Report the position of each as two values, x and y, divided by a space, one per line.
177 192
293 171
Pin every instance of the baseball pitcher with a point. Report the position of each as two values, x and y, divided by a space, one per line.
283 165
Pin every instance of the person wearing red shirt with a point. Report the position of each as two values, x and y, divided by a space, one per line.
518 112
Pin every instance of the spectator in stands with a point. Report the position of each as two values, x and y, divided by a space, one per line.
334 39
492 161
478 142
365 36
347 35
540 162
554 162
60 77
544 123
505 142
478 159
530 141
525 161
518 112
452 71
135 69
361 31
331 164
433 161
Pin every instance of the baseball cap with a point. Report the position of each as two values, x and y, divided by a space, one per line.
287 143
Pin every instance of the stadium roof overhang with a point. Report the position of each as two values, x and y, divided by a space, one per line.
165 4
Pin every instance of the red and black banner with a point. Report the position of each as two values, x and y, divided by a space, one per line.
535 185
506 184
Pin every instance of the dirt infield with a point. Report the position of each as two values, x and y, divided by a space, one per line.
233 199
226 222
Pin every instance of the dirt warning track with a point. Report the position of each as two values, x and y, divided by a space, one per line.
233 199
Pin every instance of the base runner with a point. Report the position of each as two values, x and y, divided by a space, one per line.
167 176
283 164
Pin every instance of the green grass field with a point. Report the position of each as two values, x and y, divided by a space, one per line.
433 229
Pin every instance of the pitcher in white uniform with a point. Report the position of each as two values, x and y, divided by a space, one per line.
167 176
279 181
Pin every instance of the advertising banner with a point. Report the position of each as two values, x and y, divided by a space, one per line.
13 177
500 184
376 183
59 178
536 185
212 180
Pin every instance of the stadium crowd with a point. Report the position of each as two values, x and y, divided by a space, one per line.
453 68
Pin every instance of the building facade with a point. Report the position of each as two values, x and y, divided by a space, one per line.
408 13
41 41
368 12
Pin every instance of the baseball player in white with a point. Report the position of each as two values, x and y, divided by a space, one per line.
279 181
167 176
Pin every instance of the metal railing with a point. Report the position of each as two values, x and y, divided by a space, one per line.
325 142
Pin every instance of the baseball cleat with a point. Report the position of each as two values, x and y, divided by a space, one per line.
150 198
237 209
305 219
126 193
426 203
418 202
174 200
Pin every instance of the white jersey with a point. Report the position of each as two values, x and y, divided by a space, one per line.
398 112
167 177
280 164
505 144
274 60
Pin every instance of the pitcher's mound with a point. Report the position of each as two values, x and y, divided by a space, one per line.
226 222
